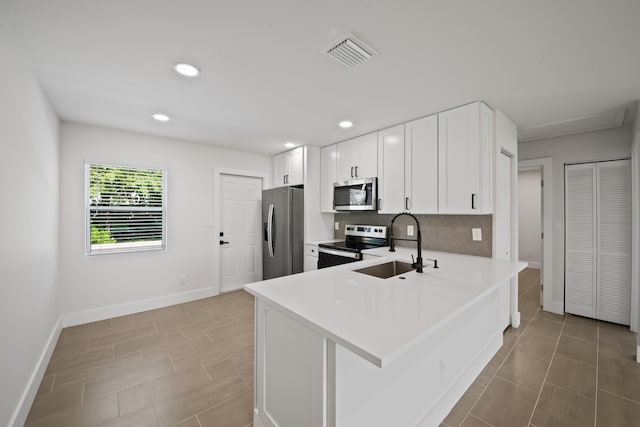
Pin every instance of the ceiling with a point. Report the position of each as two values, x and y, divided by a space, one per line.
264 80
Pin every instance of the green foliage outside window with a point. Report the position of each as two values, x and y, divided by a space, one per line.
125 207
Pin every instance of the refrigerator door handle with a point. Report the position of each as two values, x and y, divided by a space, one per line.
270 231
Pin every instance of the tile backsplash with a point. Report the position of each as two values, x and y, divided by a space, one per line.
446 233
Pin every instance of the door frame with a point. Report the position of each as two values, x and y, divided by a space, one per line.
635 239
217 214
545 164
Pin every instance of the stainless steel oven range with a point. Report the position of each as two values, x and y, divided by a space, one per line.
357 239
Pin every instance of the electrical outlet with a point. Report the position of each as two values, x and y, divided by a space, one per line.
409 230
336 226
557 225
476 234
182 279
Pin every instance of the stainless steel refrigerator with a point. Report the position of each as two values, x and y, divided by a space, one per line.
283 224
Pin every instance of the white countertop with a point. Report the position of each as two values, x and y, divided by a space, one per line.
380 319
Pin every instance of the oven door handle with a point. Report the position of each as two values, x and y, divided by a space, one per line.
344 254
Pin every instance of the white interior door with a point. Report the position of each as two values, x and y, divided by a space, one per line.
240 240
614 241
580 240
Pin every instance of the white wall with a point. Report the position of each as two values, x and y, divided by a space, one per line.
29 309
599 145
94 287
529 217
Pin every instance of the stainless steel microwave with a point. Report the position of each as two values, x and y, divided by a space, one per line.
355 195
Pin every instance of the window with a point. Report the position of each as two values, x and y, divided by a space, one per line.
126 209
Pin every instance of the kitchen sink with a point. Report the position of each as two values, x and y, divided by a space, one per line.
387 270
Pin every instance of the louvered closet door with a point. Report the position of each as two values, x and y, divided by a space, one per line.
614 241
580 240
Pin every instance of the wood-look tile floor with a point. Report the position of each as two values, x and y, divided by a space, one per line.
188 365
555 371
191 365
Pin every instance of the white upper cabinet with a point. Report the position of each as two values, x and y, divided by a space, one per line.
465 138
391 159
288 168
408 167
296 167
328 167
421 165
358 158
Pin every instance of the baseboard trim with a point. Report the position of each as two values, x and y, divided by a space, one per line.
28 395
534 264
80 317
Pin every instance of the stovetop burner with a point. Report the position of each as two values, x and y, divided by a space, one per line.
360 237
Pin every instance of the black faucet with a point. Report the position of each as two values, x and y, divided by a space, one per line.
392 246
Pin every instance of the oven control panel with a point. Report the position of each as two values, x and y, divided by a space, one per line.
379 231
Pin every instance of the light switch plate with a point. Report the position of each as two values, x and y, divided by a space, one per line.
476 234
409 230
336 226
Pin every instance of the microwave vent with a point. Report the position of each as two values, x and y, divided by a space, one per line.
349 51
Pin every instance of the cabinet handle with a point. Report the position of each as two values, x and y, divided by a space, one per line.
406 203
356 171
473 201
379 203
351 171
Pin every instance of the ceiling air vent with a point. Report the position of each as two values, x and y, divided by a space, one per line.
349 51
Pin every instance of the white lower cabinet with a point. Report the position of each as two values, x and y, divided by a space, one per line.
303 378
290 371
310 257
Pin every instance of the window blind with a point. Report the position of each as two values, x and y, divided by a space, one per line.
125 209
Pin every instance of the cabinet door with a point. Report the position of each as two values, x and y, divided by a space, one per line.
310 263
347 159
280 169
367 164
296 166
391 158
459 160
421 165
328 164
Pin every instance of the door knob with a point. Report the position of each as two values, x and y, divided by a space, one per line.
222 242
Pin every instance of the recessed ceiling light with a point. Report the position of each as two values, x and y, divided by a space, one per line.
289 144
345 124
161 117
186 69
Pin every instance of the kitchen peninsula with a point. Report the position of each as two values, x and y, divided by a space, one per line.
336 347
